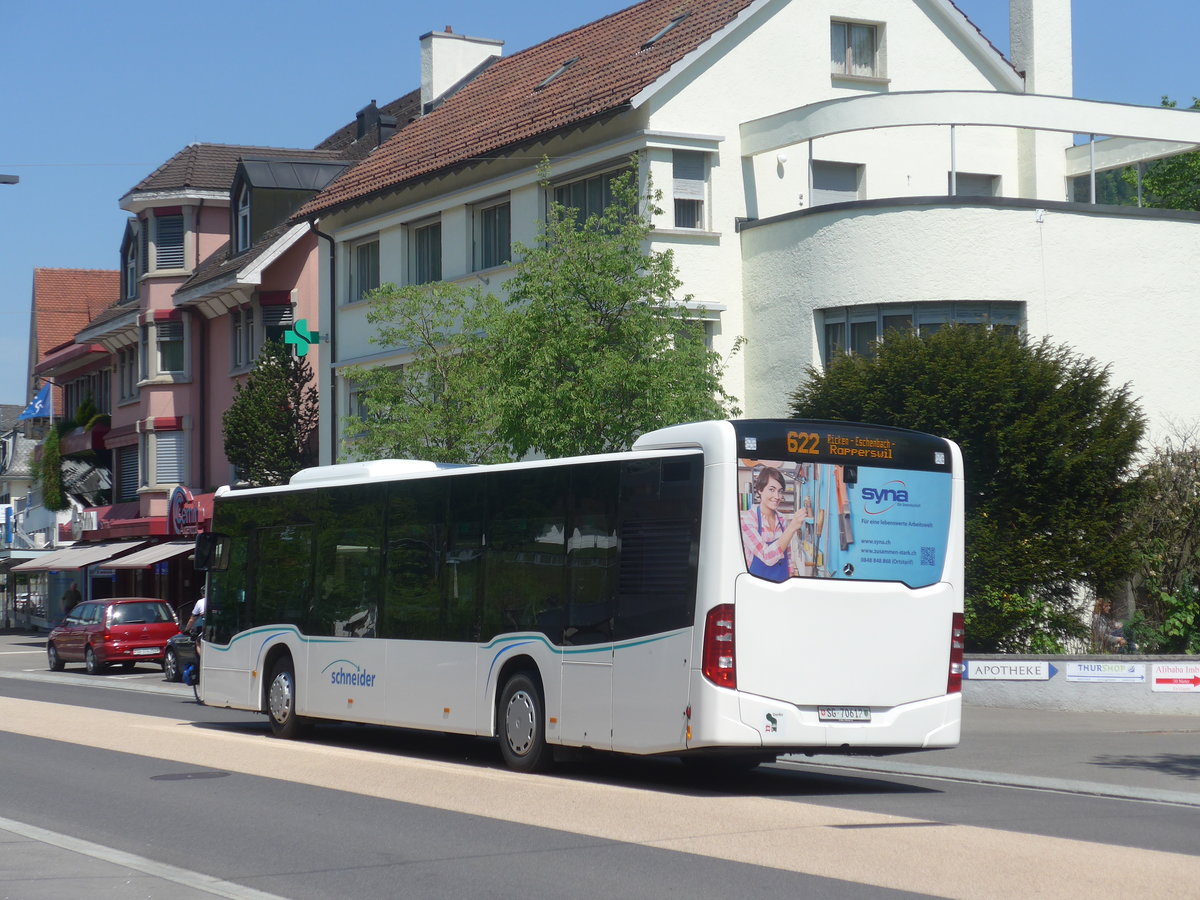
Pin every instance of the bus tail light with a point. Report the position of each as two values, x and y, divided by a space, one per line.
954 682
720 663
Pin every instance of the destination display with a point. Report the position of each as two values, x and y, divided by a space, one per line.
842 442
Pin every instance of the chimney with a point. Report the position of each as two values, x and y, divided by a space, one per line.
365 120
449 60
1040 34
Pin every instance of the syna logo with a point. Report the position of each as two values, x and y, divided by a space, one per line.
879 500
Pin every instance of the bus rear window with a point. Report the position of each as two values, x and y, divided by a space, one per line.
825 520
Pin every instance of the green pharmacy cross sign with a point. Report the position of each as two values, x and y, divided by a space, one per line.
301 337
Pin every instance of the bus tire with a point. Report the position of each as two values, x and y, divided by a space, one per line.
522 725
281 702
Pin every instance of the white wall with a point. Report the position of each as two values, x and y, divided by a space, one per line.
1115 285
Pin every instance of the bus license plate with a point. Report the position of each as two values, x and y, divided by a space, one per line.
145 651
844 713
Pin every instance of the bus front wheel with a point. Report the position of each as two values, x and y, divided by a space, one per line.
281 702
522 725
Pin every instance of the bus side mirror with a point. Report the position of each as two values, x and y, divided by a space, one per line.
212 552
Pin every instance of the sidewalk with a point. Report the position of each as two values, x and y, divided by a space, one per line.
1141 757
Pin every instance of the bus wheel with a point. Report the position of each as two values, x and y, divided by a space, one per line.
522 725
281 702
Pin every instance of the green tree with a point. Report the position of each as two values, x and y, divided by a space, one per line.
597 346
271 426
1172 182
1048 446
50 471
1165 526
441 404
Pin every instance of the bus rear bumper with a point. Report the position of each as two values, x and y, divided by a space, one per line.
726 718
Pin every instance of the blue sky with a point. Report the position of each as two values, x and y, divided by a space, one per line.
96 95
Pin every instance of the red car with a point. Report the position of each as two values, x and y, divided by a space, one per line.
124 630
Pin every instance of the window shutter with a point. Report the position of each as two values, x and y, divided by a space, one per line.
688 172
127 473
168 457
169 242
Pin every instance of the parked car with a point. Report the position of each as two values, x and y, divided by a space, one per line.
180 653
117 630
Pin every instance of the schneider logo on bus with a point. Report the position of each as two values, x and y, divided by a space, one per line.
357 677
840 445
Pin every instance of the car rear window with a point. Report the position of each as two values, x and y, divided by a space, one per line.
135 613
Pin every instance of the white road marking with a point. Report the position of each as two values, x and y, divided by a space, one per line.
195 880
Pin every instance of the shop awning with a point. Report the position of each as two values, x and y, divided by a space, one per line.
78 556
147 557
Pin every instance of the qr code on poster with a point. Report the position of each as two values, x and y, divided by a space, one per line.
928 556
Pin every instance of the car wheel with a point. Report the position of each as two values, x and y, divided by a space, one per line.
56 661
522 725
91 663
171 665
281 702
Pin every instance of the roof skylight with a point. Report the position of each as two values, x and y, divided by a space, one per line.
546 82
675 21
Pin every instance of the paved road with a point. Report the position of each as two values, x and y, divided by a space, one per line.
1147 759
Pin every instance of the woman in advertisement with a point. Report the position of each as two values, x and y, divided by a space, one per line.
766 534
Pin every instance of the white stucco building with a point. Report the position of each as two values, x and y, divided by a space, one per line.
830 168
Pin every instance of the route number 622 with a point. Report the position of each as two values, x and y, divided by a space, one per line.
803 442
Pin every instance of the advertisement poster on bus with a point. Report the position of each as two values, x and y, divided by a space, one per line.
829 520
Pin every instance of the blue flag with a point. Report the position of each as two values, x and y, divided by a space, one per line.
40 407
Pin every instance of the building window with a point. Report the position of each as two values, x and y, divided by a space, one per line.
972 184
168 242
856 329
169 338
587 196
164 351
493 235
127 481
688 186
243 219
277 321
131 269
127 374
854 49
364 268
241 325
426 253
835 182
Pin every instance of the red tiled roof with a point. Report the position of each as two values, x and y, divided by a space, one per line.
65 300
501 108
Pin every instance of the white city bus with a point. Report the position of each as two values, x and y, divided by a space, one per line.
725 589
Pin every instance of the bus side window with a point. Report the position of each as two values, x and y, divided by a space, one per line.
348 564
526 552
414 591
660 535
592 553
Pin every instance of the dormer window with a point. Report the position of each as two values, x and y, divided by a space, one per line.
131 268
557 72
242 240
